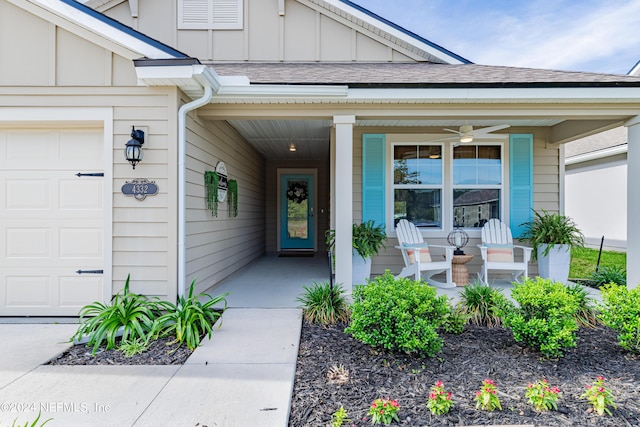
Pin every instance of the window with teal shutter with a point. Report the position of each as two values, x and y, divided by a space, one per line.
521 181
373 178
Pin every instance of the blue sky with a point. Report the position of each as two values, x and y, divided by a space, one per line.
577 35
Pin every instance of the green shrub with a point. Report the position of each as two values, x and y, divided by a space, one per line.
129 313
609 274
399 315
455 321
587 314
544 319
324 304
621 312
483 304
190 319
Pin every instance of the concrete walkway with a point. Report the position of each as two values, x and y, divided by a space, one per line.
242 377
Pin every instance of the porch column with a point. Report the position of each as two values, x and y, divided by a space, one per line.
633 202
344 198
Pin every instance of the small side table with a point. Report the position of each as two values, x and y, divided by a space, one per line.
459 270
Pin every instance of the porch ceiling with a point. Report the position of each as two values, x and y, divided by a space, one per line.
311 137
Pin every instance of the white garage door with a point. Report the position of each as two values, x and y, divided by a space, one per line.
51 221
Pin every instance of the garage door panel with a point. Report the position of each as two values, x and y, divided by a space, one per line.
26 148
26 194
81 243
28 291
74 292
81 194
28 243
79 148
51 221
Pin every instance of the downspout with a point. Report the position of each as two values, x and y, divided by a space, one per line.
182 153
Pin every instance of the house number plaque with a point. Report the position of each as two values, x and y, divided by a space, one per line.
140 188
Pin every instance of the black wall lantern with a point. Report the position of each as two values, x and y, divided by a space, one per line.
133 148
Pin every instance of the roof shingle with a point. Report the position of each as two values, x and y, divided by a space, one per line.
416 74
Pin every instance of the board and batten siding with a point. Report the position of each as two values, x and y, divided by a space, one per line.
306 32
218 246
52 69
546 178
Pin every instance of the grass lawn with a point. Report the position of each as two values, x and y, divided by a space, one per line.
584 260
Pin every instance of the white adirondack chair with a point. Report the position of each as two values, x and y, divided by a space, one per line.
417 256
497 250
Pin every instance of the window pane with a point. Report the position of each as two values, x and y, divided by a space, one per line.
477 165
473 208
421 207
417 164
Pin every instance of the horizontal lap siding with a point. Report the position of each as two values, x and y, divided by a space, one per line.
145 232
219 246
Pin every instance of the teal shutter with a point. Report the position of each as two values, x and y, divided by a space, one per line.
373 178
520 181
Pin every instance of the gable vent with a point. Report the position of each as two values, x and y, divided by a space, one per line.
210 14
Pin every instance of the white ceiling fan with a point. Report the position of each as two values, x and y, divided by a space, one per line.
468 134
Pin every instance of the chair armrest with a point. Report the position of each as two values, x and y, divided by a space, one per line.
483 252
526 250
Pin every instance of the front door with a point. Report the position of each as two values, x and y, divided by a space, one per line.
297 230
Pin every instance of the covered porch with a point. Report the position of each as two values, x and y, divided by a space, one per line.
276 282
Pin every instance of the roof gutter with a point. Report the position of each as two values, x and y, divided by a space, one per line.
182 153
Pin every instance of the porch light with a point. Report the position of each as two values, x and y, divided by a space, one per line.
292 147
458 238
466 134
133 148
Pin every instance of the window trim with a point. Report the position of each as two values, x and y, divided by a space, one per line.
502 187
447 183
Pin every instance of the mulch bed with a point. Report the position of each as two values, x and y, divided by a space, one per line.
160 352
465 361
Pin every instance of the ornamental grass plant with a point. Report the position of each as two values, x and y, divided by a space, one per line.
190 319
484 305
325 304
130 315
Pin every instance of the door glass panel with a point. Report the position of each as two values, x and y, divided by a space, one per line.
297 209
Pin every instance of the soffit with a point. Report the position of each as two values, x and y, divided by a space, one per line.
311 137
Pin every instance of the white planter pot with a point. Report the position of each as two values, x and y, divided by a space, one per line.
555 265
361 269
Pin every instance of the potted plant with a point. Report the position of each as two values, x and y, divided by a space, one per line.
368 239
552 236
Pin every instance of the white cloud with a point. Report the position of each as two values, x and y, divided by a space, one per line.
585 35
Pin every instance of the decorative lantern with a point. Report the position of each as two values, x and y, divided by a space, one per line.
458 238
133 148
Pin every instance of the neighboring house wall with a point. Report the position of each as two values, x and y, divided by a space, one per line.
596 187
218 246
304 33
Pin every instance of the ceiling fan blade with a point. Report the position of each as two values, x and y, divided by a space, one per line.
492 128
454 131
491 137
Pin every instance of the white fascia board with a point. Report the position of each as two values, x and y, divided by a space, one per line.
616 94
277 91
229 86
595 155
394 32
96 26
